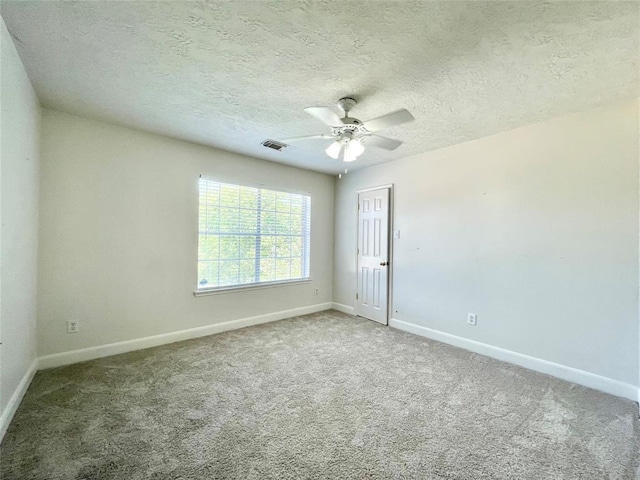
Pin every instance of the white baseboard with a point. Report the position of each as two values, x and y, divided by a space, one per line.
591 380
91 353
16 398
344 308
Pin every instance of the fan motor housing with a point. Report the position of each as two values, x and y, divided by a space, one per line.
351 120
352 125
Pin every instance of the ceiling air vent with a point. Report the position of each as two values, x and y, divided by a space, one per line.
275 145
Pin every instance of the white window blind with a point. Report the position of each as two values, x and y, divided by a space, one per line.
249 236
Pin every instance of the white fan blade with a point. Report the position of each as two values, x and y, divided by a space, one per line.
306 137
382 142
325 115
388 120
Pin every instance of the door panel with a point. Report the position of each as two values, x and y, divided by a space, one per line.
373 255
364 289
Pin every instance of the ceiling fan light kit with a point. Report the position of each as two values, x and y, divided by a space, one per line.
349 134
346 148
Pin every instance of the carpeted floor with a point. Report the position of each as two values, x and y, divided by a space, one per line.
324 396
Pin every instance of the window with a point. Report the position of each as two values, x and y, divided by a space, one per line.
250 236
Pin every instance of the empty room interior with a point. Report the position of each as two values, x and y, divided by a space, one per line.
300 239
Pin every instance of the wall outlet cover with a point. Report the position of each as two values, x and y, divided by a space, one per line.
73 326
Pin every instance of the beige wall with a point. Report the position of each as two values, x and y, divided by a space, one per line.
119 234
535 230
19 145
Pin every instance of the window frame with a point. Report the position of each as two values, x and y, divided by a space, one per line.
259 285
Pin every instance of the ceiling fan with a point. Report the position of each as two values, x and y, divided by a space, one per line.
350 135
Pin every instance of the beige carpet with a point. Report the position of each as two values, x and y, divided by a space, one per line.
324 396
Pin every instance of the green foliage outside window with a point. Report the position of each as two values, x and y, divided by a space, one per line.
250 235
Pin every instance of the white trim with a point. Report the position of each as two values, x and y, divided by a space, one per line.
16 398
251 286
390 247
369 189
591 380
344 308
91 353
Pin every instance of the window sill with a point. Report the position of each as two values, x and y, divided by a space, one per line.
244 288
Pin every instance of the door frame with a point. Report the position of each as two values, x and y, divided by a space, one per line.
391 263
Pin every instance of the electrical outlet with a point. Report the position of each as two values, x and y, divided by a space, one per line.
316 291
73 326
472 319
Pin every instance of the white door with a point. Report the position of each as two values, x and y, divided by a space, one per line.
373 254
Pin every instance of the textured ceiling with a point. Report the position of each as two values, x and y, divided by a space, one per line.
231 74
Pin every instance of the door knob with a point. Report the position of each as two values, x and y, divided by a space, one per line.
383 263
